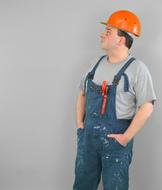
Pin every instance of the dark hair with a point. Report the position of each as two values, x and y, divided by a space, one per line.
128 38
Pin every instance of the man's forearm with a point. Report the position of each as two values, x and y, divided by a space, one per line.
80 109
139 120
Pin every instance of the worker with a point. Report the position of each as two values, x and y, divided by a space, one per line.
116 99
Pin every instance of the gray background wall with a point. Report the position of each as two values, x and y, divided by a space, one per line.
45 47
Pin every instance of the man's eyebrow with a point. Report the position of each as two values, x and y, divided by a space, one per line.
108 29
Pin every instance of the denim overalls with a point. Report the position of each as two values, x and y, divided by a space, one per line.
96 153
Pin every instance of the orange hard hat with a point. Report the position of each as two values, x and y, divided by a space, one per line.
126 21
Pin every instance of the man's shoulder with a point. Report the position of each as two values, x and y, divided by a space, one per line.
93 61
138 65
90 63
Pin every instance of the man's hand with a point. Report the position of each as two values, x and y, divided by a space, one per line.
121 138
80 125
136 125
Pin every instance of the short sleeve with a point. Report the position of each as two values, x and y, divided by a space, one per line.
144 89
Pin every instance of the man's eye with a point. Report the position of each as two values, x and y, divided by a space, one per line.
107 32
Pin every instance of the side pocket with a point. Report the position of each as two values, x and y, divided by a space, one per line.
118 143
79 131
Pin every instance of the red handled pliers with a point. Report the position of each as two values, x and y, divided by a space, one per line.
104 94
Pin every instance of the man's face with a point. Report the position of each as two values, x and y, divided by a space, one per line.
109 38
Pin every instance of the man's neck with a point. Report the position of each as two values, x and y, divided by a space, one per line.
117 57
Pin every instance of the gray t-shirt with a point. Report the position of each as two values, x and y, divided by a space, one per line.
140 84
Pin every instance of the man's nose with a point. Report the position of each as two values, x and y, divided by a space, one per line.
102 35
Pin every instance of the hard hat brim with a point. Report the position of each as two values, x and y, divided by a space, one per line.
131 34
103 23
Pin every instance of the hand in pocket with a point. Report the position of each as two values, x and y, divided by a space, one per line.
120 138
80 125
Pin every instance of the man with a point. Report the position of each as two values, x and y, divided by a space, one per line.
115 101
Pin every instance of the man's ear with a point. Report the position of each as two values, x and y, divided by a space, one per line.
121 41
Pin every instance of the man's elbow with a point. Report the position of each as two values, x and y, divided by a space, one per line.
148 107
82 93
151 107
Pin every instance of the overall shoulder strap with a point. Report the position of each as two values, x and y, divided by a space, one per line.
90 75
117 77
92 72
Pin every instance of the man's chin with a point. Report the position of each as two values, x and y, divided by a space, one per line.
102 47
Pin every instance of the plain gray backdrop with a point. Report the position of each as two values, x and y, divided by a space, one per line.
45 47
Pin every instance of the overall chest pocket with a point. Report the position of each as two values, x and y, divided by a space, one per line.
94 104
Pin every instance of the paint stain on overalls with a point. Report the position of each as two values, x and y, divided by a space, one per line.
98 155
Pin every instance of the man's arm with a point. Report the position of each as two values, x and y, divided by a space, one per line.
139 120
80 109
136 125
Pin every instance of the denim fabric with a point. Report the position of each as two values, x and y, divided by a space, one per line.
98 155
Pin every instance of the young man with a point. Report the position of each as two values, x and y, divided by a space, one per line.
115 101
